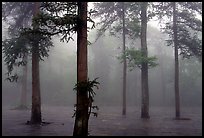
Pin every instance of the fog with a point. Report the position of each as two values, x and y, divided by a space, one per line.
58 74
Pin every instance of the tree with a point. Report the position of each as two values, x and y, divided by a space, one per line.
110 13
17 20
23 101
67 18
27 41
176 86
183 34
116 14
84 87
144 68
81 120
140 57
124 64
36 99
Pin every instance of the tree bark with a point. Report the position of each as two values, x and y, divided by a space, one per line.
124 64
81 119
176 84
36 100
144 69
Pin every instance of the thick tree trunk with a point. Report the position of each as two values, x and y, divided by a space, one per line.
176 86
36 101
23 100
144 69
81 119
124 64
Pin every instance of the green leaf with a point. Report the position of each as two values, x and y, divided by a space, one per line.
135 59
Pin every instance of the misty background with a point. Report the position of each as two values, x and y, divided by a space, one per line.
58 74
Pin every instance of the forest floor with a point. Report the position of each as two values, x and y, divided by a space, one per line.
110 122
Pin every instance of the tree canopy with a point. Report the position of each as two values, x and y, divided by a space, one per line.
22 36
189 26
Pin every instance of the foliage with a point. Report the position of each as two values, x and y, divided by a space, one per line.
16 48
189 27
23 39
135 58
60 18
87 86
17 15
110 15
54 18
189 42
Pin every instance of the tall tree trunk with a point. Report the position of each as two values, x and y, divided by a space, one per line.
144 69
176 84
36 101
138 87
124 64
81 119
23 100
163 83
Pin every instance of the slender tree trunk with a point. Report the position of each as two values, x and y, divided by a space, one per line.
176 86
36 101
163 83
138 87
23 100
81 119
124 64
144 69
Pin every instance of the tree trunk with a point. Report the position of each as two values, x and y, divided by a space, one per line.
23 100
176 85
163 83
36 101
124 64
138 87
144 69
81 119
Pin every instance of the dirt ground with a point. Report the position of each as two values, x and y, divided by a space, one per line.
109 122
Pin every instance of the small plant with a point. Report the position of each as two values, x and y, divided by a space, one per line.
88 86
